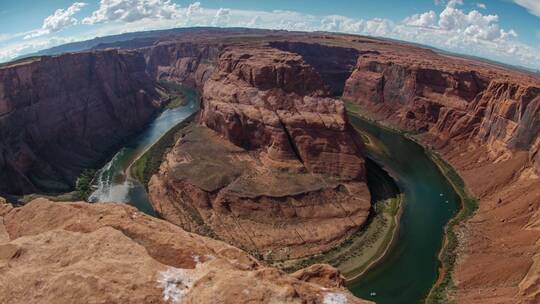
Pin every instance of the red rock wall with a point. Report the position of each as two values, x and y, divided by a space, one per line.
61 114
270 100
277 108
451 103
334 64
184 62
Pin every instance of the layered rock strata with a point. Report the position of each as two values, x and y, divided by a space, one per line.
274 168
184 62
451 98
60 115
485 120
111 253
333 63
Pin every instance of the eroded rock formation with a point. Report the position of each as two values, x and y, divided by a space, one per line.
333 63
112 253
60 115
485 120
274 168
451 98
185 62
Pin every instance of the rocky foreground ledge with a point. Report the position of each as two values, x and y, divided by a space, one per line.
112 253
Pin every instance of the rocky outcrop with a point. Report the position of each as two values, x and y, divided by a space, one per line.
529 287
184 62
321 274
210 186
451 98
274 169
59 115
334 64
270 100
5 207
484 120
111 253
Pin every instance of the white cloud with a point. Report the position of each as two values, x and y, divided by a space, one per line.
59 20
379 27
132 10
337 23
222 16
473 24
62 18
8 52
454 21
481 6
533 6
427 19
454 3
254 22
193 9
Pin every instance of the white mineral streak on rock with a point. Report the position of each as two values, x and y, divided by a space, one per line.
335 298
176 284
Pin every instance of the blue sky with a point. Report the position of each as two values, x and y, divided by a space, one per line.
503 30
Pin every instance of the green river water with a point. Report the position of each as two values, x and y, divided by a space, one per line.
409 269
113 183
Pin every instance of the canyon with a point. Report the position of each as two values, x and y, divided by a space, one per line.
62 114
271 165
485 121
266 119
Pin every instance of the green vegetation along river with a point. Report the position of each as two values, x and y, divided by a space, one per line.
113 183
410 267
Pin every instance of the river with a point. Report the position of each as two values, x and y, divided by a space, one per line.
410 267
113 181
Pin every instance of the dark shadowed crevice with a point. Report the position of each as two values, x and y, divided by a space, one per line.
334 64
291 140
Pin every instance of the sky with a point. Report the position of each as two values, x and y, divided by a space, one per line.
504 30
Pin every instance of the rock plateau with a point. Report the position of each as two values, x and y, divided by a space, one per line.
273 166
111 253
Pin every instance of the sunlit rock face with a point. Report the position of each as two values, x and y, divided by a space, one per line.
97 253
189 63
451 98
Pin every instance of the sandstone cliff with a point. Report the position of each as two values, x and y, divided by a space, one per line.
111 253
190 63
485 120
333 63
451 98
274 168
59 115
